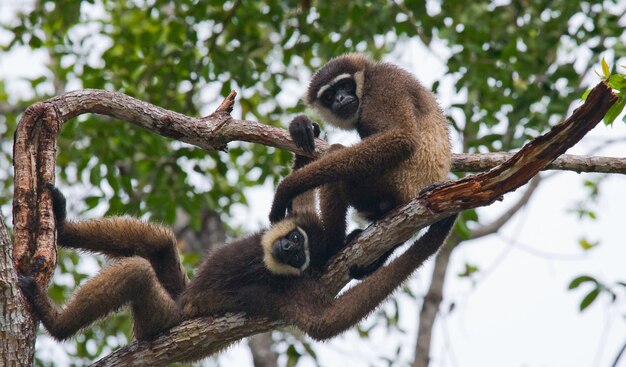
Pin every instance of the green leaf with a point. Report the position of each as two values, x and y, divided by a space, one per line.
292 356
468 271
92 201
589 298
580 280
605 69
617 81
310 351
614 111
586 245
462 230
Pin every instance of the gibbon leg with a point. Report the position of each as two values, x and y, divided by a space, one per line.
113 236
323 318
127 281
371 157
122 237
119 237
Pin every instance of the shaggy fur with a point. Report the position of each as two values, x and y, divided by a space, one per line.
405 144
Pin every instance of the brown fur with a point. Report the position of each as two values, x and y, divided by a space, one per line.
405 144
232 278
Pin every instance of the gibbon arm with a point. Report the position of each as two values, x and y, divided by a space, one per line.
371 157
333 210
333 207
322 318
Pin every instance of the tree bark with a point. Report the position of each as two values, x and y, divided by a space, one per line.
478 162
17 327
197 338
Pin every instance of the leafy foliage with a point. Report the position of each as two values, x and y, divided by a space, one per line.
618 83
597 288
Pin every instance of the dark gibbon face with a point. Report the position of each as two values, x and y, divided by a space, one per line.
338 100
336 90
286 248
340 96
291 249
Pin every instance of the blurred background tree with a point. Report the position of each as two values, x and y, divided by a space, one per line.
505 71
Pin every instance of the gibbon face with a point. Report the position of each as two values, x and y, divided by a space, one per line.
337 98
293 245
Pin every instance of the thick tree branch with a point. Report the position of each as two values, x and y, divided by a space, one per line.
215 131
204 336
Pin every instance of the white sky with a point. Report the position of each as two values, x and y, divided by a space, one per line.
519 312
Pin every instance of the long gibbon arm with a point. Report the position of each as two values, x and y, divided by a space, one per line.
368 158
333 207
324 317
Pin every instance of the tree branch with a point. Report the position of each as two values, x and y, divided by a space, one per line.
196 338
216 130
478 162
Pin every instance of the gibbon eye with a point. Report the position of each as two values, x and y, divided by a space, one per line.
346 84
295 236
328 97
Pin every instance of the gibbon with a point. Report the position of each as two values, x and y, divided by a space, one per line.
405 146
272 273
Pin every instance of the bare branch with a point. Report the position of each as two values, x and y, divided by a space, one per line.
464 162
261 348
200 337
430 306
216 130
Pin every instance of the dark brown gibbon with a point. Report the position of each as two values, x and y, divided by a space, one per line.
271 273
405 145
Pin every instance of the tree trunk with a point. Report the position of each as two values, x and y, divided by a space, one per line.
261 348
17 328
